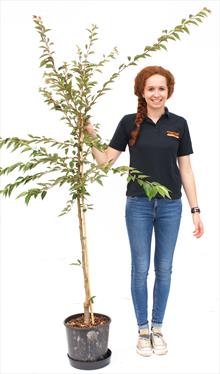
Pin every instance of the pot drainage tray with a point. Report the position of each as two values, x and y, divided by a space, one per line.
91 365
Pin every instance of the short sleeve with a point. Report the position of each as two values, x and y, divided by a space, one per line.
185 146
120 138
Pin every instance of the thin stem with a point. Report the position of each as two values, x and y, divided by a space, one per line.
86 259
82 228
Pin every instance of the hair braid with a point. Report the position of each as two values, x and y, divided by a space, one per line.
140 115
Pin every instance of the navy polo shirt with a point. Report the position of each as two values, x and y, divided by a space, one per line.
156 150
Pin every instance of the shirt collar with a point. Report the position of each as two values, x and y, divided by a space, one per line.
166 114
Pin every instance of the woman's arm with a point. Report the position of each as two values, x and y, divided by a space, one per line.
188 182
110 154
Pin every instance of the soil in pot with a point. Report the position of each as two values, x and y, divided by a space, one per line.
78 321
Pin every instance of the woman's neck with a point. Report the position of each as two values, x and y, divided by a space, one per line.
155 113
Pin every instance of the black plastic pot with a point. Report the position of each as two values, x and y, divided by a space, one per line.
88 347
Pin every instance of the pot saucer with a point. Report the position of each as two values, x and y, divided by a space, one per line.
91 365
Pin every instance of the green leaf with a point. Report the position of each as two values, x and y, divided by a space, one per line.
43 194
99 181
27 199
134 64
163 191
163 46
170 37
121 66
147 189
137 57
131 178
176 35
44 62
78 263
192 22
92 299
186 29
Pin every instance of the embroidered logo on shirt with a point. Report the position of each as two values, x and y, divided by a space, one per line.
173 134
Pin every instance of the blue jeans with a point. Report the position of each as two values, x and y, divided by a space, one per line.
142 216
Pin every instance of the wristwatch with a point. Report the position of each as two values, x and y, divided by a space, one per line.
195 209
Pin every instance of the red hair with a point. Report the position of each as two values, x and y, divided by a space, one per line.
139 85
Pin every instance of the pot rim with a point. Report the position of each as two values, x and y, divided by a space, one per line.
85 328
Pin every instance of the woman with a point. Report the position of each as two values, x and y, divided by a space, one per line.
160 147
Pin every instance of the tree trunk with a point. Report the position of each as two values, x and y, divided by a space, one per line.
82 227
85 262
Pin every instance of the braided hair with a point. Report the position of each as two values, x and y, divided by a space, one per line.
139 85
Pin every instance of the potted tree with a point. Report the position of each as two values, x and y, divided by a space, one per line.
71 89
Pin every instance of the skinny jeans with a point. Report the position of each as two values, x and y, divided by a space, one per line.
143 217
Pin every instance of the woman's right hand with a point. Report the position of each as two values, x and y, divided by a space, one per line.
102 157
90 129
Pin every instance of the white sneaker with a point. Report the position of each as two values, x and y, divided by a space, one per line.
144 347
159 345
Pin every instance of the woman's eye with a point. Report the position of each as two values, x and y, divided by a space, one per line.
152 89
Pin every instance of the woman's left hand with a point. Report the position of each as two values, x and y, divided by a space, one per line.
199 229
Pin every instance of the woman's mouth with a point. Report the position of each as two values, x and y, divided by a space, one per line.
156 101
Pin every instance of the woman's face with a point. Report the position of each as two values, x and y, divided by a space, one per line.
156 92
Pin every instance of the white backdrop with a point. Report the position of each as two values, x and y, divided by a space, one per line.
38 287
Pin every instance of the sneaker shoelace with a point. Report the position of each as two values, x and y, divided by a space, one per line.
159 338
144 340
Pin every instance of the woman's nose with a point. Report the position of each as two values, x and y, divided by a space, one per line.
156 93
